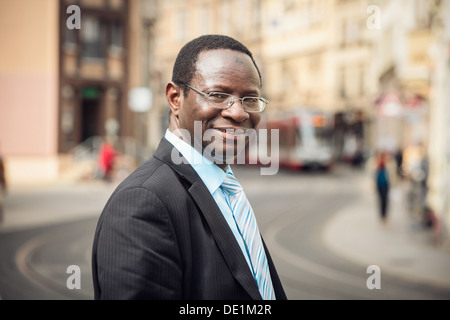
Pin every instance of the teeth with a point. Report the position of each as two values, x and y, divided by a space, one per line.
225 130
237 131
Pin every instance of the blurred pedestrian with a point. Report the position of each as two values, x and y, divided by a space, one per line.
432 221
399 163
105 162
382 186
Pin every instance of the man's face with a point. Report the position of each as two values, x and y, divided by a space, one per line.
229 72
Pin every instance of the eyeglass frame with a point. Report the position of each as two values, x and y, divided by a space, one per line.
207 97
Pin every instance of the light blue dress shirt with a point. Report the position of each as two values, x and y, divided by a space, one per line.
212 176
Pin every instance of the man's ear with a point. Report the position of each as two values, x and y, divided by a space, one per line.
174 96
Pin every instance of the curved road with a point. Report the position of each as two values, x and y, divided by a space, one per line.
292 209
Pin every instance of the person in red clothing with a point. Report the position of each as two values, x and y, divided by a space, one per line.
106 157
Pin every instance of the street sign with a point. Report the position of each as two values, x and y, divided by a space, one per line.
140 99
390 105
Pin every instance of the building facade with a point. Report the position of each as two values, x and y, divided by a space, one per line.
93 72
29 89
65 84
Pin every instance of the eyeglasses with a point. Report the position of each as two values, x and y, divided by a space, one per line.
222 100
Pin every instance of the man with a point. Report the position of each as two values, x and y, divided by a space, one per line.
171 229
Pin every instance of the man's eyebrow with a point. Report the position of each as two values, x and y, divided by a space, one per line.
225 89
250 93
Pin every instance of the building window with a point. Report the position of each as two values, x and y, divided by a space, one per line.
181 32
116 37
242 17
204 18
93 38
70 39
350 33
256 13
225 17
341 79
362 81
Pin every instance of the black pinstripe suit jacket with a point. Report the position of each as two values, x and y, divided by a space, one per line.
161 235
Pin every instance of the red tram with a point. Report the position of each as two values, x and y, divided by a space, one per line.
305 139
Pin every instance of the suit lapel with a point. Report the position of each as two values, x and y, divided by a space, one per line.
219 227
276 282
224 238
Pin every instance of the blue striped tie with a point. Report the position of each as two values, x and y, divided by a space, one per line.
248 228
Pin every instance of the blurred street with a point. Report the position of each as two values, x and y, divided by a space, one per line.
321 227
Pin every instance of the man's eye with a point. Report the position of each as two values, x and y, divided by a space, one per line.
252 100
217 96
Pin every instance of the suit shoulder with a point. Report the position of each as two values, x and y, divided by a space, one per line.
138 194
153 175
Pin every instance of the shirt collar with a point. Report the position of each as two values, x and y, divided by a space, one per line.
209 172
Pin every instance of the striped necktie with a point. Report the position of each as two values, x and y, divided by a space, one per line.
248 228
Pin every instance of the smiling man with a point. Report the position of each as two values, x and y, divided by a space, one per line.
185 229
224 76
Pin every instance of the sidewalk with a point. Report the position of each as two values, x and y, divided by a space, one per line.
401 247
34 206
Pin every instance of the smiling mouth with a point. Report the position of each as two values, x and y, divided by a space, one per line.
233 134
232 130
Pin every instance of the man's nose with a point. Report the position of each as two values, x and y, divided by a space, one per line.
236 111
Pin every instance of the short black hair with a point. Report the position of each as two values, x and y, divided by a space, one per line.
185 64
